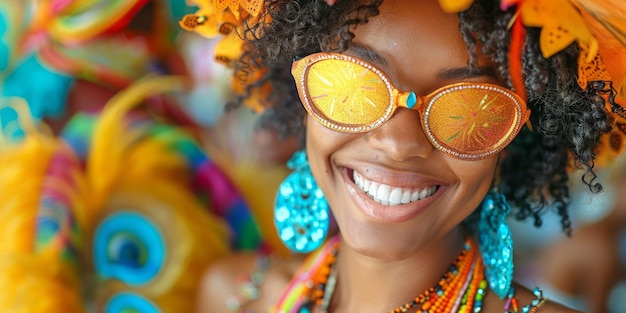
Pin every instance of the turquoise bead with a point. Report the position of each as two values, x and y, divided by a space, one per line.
411 100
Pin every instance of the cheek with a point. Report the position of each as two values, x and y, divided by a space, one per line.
322 141
475 171
320 145
475 178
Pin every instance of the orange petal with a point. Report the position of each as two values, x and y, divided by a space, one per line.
201 23
561 24
455 6
229 48
253 7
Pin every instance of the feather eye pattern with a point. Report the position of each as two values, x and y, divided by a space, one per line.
160 208
157 149
121 204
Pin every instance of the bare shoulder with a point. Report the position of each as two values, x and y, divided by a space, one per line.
219 282
244 280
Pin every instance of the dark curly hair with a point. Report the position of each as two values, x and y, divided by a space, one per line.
566 120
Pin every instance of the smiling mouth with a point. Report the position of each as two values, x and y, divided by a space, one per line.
389 195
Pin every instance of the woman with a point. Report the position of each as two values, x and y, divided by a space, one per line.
415 187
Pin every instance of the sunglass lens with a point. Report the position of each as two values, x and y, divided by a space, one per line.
346 93
471 121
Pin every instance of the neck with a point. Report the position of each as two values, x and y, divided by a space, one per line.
366 284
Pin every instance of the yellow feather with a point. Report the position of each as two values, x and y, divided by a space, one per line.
111 137
23 168
154 158
193 239
31 282
36 284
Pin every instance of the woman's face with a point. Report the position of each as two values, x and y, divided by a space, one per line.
420 48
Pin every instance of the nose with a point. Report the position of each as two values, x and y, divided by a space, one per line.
401 137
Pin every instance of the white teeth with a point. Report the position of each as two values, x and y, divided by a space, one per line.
415 195
388 195
395 197
383 193
424 193
373 189
406 196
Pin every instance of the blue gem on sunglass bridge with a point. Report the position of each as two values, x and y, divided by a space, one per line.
411 100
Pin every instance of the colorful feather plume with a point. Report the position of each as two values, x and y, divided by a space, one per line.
38 270
162 211
120 213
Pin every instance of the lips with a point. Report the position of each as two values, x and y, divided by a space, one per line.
391 203
389 195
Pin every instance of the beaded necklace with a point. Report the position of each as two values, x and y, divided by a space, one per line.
310 280
461 289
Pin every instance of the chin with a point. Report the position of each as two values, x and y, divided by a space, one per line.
381 242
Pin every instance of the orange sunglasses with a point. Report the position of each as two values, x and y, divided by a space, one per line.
466 120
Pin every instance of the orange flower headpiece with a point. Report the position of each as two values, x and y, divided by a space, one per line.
224 17
599 29
228 18
597 26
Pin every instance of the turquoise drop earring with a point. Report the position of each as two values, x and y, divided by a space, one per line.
496 244
301 214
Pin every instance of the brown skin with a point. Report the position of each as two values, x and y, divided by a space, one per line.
223 279
398 153
382 264
418 42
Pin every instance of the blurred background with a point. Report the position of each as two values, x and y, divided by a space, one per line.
123 178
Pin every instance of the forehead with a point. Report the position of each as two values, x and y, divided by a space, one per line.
417 39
